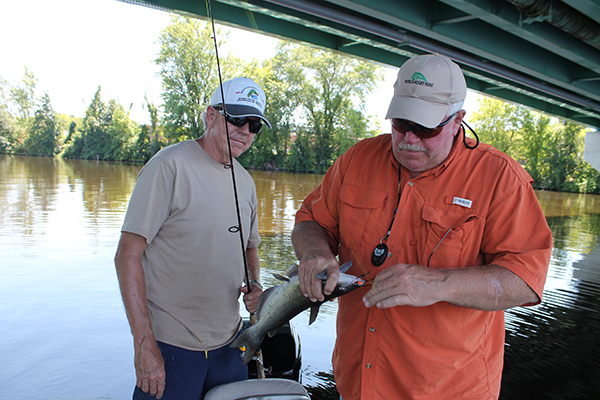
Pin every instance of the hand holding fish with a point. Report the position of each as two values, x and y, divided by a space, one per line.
278 304
313 263
311 244
251 299
405 284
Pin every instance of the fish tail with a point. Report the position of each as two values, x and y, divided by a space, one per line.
247 343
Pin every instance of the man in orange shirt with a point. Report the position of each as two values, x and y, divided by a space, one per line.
451 233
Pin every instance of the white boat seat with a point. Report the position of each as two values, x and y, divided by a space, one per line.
259 389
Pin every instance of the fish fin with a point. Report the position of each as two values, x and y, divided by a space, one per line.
345 267
272 333
281 277
314 311
322 275
249 342
292 270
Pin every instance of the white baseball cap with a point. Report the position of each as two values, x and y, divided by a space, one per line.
425 88
243 98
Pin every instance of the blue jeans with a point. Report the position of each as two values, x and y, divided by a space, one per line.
190 374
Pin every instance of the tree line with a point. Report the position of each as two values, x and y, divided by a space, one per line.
550 149
315 106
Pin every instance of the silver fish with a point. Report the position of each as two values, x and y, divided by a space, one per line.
280 303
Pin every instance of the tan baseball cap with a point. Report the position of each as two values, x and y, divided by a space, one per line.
243 98
425 88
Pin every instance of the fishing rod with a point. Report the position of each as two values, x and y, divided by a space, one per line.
233 229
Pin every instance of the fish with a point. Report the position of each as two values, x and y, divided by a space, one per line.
279 304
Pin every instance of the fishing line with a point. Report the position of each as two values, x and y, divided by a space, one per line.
260 372
238 228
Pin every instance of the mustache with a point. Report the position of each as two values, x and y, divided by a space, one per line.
410 147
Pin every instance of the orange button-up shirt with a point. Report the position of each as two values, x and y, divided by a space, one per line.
483 201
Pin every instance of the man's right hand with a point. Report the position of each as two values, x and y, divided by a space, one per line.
150 368
308 269
311 245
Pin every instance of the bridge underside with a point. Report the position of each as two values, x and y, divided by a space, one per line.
540 53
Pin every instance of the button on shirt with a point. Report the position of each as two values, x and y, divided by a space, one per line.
476 208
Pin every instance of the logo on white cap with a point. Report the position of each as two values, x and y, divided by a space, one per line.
242 98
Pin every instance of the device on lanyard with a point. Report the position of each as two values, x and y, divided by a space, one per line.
381 251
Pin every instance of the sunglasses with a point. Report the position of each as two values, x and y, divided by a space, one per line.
403 126
253 125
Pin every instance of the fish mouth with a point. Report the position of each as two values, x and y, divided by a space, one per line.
361 282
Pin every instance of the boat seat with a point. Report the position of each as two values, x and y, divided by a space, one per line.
259 389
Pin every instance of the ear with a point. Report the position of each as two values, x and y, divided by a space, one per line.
457 121
211 115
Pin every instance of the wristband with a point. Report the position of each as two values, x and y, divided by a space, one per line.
257 283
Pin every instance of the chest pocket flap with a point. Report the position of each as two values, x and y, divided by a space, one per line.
444 236
446 219
360 211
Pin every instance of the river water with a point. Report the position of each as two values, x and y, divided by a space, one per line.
63 330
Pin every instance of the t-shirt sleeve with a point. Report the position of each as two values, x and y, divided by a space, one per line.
254 237
151 199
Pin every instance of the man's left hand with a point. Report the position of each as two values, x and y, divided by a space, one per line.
405 284
251 299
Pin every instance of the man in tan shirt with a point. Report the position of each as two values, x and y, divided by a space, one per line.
179 266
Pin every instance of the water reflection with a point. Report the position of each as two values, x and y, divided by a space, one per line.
279 196
31 188
59 225
552 353
552 349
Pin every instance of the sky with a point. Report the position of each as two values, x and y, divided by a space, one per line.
74 46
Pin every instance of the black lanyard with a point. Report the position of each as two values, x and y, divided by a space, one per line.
381 250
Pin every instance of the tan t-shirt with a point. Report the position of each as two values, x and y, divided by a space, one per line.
183 204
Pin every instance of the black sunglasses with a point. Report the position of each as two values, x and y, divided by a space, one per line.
254 126
403 126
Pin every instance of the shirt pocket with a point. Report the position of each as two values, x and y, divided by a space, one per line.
359 220
444 236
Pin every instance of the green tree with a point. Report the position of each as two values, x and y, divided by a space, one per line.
95 129
500 124
44 135
189 75
107 133
6 120
588 179
23 96
122 133
73 123
302 157
565 157
19 102
6 130
327 87
150 140
536 133
270 147
551 151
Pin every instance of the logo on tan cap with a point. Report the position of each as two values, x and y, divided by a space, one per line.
418 79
